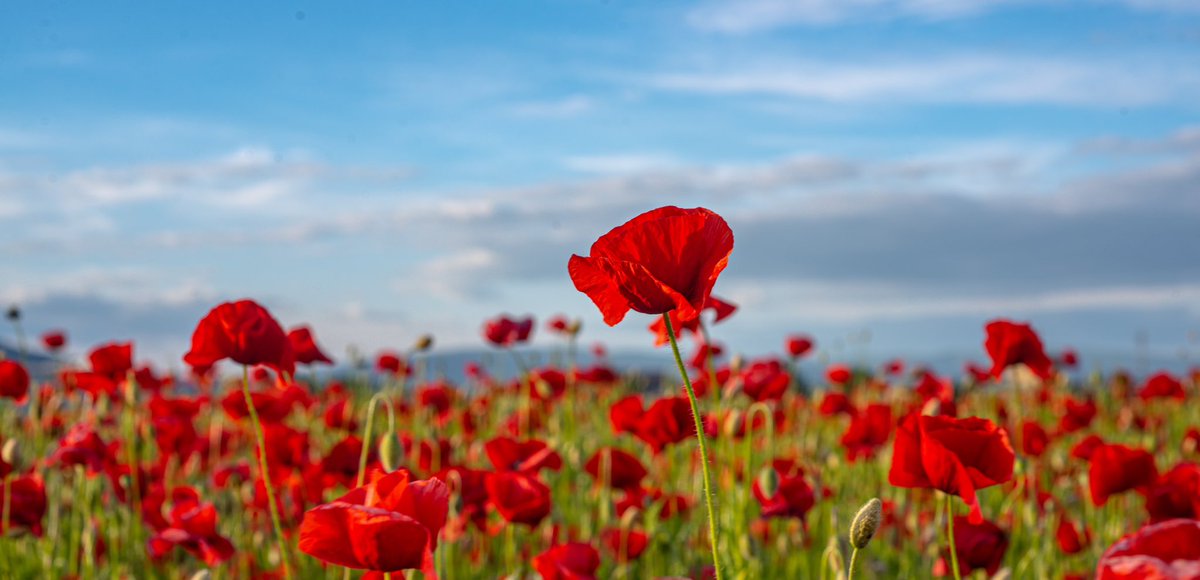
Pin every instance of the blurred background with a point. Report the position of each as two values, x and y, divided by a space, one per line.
896 172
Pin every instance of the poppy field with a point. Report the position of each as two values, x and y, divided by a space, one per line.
254 465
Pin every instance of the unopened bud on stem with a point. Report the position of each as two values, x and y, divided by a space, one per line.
866 523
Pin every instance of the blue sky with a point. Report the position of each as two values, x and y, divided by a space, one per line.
912 167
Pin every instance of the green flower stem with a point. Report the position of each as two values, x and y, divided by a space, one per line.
708 495
263 468
950 536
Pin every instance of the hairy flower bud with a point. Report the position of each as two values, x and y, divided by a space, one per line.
866 523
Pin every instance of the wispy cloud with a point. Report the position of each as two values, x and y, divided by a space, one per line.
748 16
984 79
571 106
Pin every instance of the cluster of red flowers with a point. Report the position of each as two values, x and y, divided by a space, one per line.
220 470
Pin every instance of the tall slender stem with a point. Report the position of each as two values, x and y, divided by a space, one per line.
950 536
708 495
265 471
853 561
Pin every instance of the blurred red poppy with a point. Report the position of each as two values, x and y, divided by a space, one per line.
765 380
113 360
1034 439
838 374
530 456
956 456
14 381
663 260
1175 494
192 526
1116 469
54 340
624 470
625 545
792 497
868 431
26 506
504 331
242 331
798 345
1168 550
571 561
387 525
1070 539
1162 385
520 498
980 546
304 347
1009 343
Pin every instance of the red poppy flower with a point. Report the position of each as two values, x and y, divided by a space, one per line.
193 527
1009 343
868 431
242 331
503 331
14 381
387 525
272 407
1175 494
304 347
798 345
1069 358
835 403
530 456
625 415
765 380
520 498
1162 385
625 545
82 446
624 470
956 456
1034 439
1116 469
26 505
54 340
113 360
572 561
980 546
1077 415
1168 550
663 260
1070 539
392 363
791 499
838 374
669 420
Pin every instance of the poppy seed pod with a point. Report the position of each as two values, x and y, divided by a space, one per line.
866 523
424 343
14 313
11 454
768 481
386 453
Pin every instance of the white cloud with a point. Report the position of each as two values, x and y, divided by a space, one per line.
748 16
960 79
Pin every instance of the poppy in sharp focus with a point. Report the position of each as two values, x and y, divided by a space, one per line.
955 456
242 331
663 260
